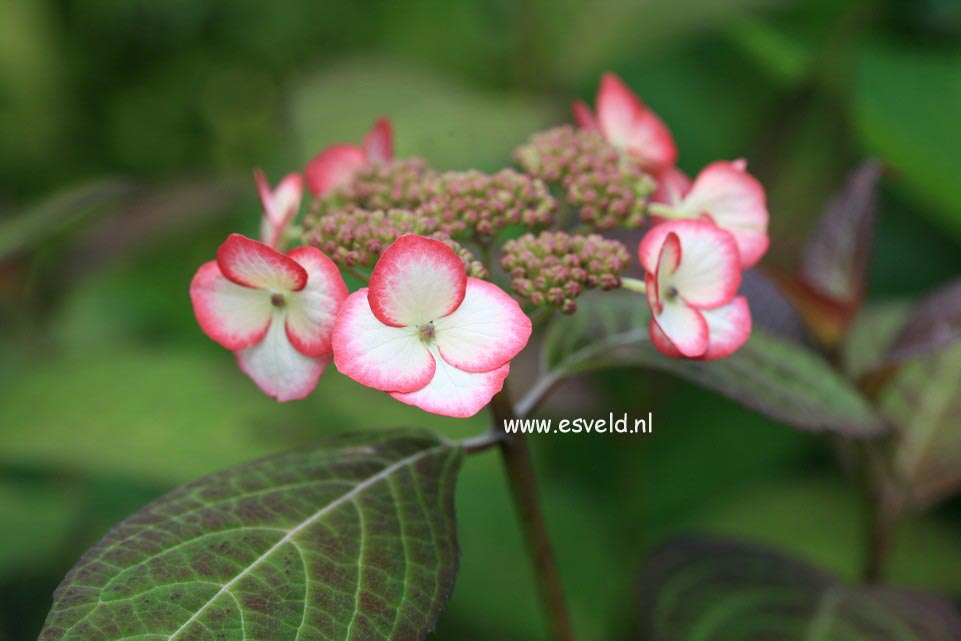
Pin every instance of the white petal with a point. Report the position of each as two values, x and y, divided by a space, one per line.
279 370
486 331
391 359
454 392
233 315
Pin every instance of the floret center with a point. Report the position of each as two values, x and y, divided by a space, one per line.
426 332
278 300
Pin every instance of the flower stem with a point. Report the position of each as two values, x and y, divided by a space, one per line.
883 512
634 285
523 486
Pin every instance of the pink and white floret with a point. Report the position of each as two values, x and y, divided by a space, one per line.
427 333
274 311
692 277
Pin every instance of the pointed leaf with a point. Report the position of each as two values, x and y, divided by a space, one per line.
871 335
718 590
835 260
934 324
774 376
352 540
923 404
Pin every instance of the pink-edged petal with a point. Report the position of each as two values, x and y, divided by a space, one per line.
416 280
378 144
735 200
653 299
391 359
279 370
311 312
709 273
672 185
334 167
253 264
486 331
667 264
280 205
651 142
661 342
233 315
649 249
684 326
583 116
628 124
729 328
617 109
454 392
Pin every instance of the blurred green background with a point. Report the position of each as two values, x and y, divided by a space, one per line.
128 131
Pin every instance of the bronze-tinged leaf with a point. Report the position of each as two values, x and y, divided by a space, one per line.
923 402
835 259
352 540
710 589
934 324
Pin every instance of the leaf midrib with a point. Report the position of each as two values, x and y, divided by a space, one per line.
287 538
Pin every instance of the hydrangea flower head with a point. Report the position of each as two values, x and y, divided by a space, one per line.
336 165
427 333
693 274
274 311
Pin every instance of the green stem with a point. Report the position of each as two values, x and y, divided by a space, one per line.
882 514
633 285
523 486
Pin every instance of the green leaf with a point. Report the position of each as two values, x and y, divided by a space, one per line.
871 335
923 404
707 589
355 539
774 376
919 136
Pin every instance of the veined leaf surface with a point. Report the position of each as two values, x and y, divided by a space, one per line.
352 540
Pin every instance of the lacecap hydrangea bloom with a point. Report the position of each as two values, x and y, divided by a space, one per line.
274 311
427 333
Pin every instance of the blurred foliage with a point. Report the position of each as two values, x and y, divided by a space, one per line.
110 395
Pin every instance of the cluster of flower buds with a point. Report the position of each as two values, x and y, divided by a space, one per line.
400 183
357 237
554 268
610 189
477 204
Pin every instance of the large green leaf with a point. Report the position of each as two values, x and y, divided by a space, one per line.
777 377
923 403
718 590
352 540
